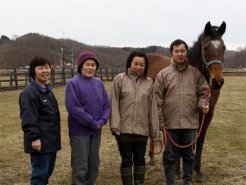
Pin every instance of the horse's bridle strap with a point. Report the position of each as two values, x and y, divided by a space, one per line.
214 62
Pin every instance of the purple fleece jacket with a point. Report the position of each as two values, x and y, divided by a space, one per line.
87 105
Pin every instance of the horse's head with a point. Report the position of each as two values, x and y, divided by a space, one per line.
213 50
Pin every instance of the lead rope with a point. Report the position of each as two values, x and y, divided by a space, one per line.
167 136
152 147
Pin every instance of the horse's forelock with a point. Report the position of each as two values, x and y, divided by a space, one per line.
214 33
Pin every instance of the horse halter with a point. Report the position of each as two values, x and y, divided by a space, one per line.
207 64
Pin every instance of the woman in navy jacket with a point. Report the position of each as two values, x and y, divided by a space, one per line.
40 121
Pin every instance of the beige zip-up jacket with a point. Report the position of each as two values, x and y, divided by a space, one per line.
180 93
133 108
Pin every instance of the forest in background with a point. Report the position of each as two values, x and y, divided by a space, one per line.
19 51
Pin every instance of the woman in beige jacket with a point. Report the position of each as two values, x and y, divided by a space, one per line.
134 116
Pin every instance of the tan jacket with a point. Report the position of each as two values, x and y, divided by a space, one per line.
133 110
180 93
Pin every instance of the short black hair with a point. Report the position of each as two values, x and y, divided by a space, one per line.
37 61
176 43
137 54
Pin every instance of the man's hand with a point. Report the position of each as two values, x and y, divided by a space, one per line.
205 109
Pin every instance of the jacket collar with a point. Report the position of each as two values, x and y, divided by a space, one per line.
43 90
132 75
179 67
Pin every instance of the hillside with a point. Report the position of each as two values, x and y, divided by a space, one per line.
18 52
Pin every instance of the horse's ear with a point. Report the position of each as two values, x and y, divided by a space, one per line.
222 28
207 28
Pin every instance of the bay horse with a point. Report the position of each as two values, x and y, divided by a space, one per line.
207 55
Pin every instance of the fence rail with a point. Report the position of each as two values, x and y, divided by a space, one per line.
14 79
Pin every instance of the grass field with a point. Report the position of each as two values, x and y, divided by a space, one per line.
224 157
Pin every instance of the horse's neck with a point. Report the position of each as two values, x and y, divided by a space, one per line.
196 60
213 99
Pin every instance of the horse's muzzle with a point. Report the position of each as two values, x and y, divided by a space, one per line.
216 85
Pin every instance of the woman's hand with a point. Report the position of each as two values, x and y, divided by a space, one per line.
36 145
115 132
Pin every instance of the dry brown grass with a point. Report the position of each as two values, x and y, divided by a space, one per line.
224 159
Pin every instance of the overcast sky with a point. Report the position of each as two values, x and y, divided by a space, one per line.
119 23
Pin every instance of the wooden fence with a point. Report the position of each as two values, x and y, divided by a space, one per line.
13 79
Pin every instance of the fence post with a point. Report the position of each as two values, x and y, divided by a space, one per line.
11 79
15 78
71 73
112 74
53 77
26 79
107 75
101 74
29 77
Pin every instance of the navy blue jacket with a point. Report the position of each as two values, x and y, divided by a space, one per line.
40 118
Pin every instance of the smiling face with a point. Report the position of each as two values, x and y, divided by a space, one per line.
42 74
138 65
88 68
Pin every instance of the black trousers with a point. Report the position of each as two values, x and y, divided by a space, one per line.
132 152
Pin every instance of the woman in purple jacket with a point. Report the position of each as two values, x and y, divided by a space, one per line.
88 110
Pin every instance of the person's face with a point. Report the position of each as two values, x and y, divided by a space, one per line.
42 74
179 54
138 65
88 69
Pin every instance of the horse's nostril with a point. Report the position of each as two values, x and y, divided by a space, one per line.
222 82
217 84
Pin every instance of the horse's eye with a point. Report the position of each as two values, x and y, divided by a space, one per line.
205 49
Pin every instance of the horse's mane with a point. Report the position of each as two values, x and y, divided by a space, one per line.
195 56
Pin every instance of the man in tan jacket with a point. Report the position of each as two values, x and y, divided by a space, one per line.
181 91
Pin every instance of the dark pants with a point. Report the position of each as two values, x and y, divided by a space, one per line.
85 159
172 153
42 167
132 152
